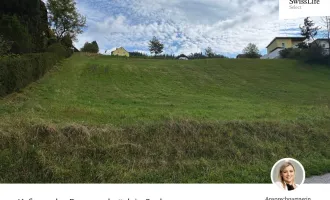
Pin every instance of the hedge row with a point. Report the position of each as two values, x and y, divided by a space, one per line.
17 71
311 55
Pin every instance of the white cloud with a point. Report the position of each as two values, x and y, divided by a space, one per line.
184 26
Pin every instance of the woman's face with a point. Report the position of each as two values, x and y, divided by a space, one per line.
288 174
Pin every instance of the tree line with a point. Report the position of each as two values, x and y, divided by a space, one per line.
156 48
31 26
92 47
250 51
34 36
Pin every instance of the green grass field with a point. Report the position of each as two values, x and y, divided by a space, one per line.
116 120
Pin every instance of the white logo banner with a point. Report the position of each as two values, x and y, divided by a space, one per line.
290 9
161 192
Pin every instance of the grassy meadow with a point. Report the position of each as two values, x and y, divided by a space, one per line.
95 119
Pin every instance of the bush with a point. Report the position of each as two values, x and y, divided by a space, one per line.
18 71
90 47
5 46
51 41
17 33
291 53
296 53
67 41
284 53
311 55
60 50
252 55
314 54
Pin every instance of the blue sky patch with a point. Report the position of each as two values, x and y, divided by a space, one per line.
184 26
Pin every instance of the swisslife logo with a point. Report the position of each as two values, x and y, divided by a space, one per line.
304 1
290 9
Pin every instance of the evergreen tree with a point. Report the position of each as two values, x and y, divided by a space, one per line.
155 46
308 30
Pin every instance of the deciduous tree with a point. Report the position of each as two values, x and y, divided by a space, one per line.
251 51
90 47
96 46
64 18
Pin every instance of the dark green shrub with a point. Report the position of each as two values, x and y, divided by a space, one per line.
16 71
90 47
296 53
17 33
314 54
291 53
32 14
51 41
5 46
60 50
67 41
253 55
285 53
311 55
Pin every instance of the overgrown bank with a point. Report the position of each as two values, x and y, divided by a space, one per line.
171 152
100 119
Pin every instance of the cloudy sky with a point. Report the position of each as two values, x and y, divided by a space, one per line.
184 26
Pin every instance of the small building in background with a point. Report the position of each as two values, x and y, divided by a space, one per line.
120 52
241 56
182 57
279 43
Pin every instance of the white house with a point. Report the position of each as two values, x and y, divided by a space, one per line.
182 57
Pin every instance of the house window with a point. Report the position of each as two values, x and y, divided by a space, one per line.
283 45
323 45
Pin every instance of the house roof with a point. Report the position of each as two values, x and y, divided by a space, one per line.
240 55
293 38
181 56
75 49
119 48
321 39
276 48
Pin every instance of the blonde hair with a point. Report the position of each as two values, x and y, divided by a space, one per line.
285 165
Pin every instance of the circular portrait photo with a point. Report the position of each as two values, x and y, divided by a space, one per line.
288 174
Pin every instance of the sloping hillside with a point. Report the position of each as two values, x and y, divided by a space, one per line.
103 119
